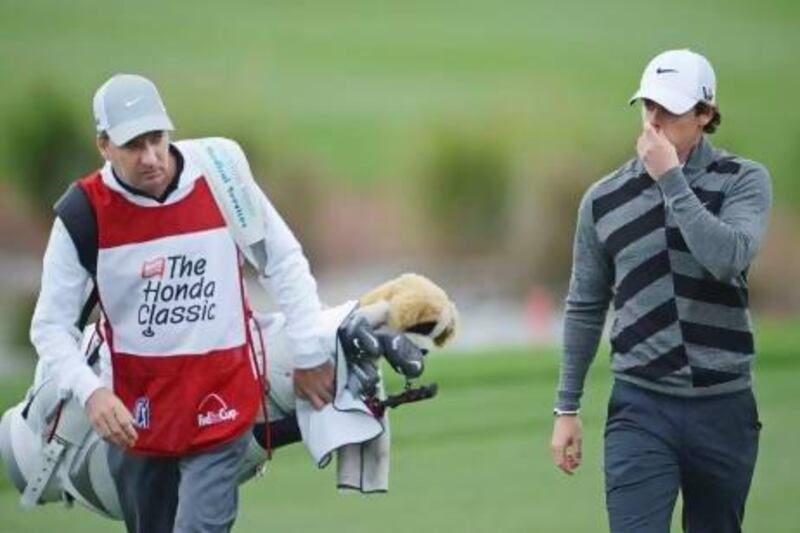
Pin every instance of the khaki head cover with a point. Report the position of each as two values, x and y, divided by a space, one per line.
414 305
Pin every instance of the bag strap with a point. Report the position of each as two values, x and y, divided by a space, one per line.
78 217
230 179
77 214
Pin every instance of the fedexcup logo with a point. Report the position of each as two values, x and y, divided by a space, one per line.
213 410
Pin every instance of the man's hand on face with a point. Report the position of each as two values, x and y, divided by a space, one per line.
567 442
656 151
315 384
110 418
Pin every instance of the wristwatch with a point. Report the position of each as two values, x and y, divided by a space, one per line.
565 412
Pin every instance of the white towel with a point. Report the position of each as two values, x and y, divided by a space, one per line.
365 467
347 426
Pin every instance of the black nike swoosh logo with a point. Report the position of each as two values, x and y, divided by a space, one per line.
660 70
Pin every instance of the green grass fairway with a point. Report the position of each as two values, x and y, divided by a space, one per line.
476 459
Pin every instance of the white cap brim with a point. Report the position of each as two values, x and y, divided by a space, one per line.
673 101
126 131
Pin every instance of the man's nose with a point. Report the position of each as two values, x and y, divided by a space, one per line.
654 118
149 155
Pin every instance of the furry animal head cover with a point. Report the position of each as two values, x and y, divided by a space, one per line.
414 305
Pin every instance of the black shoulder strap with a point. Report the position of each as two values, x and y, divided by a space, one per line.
77 214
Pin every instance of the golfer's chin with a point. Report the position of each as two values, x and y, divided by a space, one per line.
153 183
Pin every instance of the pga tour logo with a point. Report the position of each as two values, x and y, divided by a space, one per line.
213 410
141 413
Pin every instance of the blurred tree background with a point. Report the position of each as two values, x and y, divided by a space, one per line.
459 132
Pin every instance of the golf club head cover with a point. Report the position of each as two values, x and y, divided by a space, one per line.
404 356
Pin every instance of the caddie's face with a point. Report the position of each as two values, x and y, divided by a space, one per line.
143 162
683 131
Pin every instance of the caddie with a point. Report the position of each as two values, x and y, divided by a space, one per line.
145 239
669 238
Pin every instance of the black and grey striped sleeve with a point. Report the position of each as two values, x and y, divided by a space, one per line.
727 244
590 291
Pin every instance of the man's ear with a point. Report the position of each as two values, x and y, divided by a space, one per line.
706 116
102 145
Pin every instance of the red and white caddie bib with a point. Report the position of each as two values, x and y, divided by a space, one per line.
170 289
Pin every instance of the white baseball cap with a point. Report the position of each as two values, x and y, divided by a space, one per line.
128 105
677 80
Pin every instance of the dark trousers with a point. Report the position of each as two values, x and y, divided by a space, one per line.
656 444
189 494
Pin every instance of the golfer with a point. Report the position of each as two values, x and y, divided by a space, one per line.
668 239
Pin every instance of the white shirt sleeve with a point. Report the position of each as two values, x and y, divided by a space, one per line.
288 276
53 329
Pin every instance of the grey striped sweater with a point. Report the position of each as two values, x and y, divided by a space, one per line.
672 257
